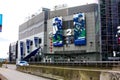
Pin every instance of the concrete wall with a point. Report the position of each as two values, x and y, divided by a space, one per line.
65 73
32 30
109 76
61 73
33 20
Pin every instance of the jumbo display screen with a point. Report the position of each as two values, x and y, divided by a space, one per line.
79 29
57 32
0 22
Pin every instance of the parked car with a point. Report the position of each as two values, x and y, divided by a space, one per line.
22 63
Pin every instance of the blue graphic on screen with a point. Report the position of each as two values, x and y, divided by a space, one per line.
79 29
0 22
57 32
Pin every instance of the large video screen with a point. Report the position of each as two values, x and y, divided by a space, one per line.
79 29
0 22
57 32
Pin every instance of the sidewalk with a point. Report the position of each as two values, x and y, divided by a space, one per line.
11 74
2 77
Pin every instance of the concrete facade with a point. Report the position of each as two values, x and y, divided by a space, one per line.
33 28
77 52
90 27
41 26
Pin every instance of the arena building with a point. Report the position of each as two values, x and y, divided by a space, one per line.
65 34
83 33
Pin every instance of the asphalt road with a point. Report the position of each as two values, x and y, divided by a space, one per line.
12 74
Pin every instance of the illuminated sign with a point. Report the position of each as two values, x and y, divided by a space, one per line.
79 29
57 32
0 22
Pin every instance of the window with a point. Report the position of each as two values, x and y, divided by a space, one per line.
37 41
68 24
40 40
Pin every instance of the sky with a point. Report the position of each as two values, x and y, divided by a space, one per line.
16 12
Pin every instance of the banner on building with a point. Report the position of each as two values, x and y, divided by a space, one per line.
0 22
79 29
36 41
28 42
22 49
57 32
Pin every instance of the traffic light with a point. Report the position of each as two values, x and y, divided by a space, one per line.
0 22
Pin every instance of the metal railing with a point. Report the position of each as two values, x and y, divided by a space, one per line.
80 63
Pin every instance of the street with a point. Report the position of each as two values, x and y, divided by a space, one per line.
12 74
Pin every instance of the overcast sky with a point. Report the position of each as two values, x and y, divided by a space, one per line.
15 13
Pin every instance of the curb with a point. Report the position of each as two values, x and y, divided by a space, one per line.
49 76
3 77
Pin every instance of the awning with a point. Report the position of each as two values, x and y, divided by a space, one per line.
31 54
